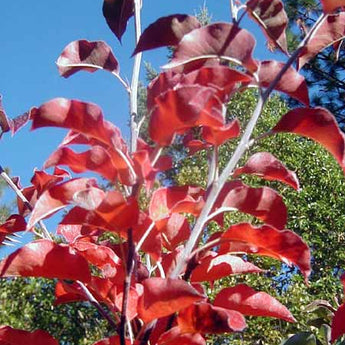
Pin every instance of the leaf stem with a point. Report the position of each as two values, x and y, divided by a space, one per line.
126 287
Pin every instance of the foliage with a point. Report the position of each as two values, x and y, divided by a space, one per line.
324 72
156 279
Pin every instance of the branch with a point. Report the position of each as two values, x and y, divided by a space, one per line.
135 80
240 150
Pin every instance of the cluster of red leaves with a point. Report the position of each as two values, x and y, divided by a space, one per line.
190 93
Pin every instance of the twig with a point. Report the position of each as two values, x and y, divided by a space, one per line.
126 286
135 80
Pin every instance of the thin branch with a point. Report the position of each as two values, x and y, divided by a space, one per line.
135 80
126 287
144 237
97 305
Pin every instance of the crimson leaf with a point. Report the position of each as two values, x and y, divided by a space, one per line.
338 324
86 56
12 336
331 30
283 245
166 31
44 258
213 41
317 124
265 165
292 83
250 302
271 16
117 14
163 297
206 318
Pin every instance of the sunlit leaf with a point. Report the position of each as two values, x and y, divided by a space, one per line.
182 108
338 324
263 203
283 245
292 83
163 297
44 258
12 336
213 267
265 165
214 41
247 301
175 336
96 159
166 31
271 16
206 318
87 56
317 124
329 32
331 5
57 197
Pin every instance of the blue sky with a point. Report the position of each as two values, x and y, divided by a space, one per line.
33 34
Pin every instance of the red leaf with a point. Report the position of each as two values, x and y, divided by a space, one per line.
12 125
166 31
114 213
250 302
219 135
265 165
100 256
292 83
163 297
14 223
317 124
153 242
182 108
43 181
206 318
114 340
44 258
263 203
87 56
11 336
329 32
213 41
85 118
175 230
117 14
282 245
222 78
271 16
175 336
331 5
59 196
213 267
168 200
96 159
162 83
338 324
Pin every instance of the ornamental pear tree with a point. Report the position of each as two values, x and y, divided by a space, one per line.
152 278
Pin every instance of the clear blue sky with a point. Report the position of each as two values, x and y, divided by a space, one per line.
33 34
